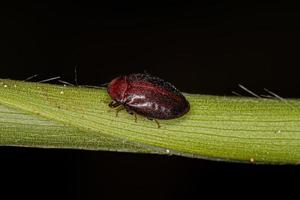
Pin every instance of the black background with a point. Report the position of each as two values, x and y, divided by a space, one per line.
207 48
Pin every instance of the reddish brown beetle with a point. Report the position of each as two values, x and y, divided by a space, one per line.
148 96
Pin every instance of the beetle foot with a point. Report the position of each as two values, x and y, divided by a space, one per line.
158 125
132 113
135 118
118 109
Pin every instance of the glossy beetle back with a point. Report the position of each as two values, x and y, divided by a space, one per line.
149 96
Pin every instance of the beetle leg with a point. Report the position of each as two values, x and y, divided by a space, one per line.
158 125
114 104
135 118
117 106
118 109
132 113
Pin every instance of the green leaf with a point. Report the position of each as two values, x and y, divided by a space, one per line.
220 128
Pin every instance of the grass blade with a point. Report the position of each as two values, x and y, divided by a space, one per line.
218 128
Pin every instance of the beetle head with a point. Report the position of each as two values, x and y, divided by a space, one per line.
117 88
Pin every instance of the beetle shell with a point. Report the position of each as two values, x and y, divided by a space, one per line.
148 96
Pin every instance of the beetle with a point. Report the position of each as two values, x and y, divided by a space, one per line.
148 96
